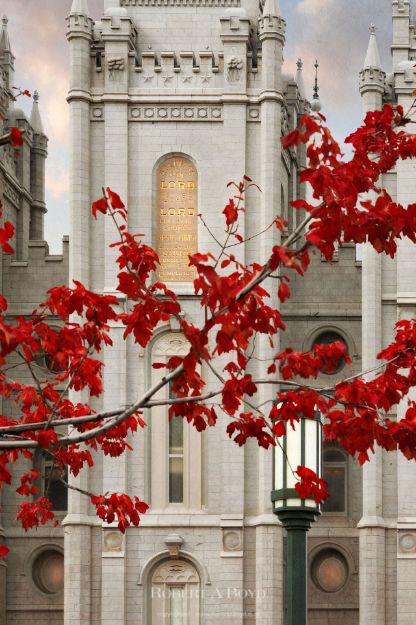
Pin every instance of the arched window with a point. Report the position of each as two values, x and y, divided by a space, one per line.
177 218
176 446
175 594
335 473
51 482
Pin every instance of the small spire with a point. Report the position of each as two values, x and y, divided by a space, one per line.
299 79
35 119
4 37
80 7
413 12
372 58
271 7
316 104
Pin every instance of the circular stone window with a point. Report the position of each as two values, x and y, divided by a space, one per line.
48 571
325 338
329 570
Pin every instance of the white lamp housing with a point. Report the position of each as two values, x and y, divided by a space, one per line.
299 447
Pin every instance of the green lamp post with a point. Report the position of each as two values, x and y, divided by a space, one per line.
300 447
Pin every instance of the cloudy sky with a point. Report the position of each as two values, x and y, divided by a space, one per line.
334 31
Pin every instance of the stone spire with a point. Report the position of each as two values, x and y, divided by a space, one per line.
372 58
35 119
4 37
271 7
372 76
413 12
299 79
80 7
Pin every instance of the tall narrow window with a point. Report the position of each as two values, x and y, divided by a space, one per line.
52 480
176 460
176 446
335 473
177 612
54 487
176 456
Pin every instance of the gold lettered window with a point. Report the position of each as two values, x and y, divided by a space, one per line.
177 227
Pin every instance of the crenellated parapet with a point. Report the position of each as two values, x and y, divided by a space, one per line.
127 58
170 73
401 31
180 3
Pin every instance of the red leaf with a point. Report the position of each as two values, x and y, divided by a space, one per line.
291 139
311 486
231 213
4 551
279 429
16 137
283 292
115 199
99 206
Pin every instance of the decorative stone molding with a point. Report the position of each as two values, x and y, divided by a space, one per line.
234 69
406 544
97 114
232 540
285 121
152 562
12 194
115 67
9 161
253 114
113 540
174 543
176 113
179 3
232 536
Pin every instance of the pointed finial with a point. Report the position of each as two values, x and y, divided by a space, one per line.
4 36
80 7
372 58
299 79
413 12
316 85
35 119
316 104
271 7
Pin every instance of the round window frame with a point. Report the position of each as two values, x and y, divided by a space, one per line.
30 563
311 340
352 570
42 358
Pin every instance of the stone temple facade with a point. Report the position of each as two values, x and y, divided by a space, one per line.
169 101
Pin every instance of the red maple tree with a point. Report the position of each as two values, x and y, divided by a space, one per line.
237 311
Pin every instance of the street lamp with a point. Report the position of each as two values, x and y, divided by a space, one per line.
299 447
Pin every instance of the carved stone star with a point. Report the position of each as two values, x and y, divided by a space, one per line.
167 78
205 78
148 77
187 78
